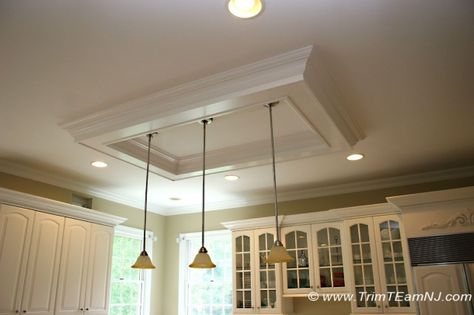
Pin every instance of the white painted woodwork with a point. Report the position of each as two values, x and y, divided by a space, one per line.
440 279
73 271
99 267
16 226
43 265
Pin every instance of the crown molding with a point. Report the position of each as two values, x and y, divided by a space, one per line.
282 69
30 173
15 198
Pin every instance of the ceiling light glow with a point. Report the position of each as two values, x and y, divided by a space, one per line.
99 164
355 157
245 9
231 177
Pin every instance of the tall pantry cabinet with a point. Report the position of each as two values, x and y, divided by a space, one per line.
54 259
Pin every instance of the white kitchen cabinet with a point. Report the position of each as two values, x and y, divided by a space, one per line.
257 285
29 260
298 274
380 266
330 256
85 270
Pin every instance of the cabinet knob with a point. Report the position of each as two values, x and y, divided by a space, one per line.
317 287
378 306
87 308
81 309
386 306
24 311
17 311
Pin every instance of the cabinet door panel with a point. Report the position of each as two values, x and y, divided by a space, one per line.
100 260
244 284
16 225
73 269
43 264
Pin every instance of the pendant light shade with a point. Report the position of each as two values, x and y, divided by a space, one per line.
202 259
144 261
278 253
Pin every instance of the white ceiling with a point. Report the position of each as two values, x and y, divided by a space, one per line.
404 70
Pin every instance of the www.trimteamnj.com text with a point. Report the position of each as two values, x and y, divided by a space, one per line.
391 296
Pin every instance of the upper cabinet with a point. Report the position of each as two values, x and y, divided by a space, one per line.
257 285
379 263
29 260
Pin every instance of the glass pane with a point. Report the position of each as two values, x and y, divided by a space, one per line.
325 277
366 257
358 276
304 278
292 263
270 241
292 279
272 298
261 242
334 236
246 244
400 270
247 280
392 302
356 254
290 240
355 234
271 279
364 233
395 230
404 302
238 244
384 232
248 299
238 261
263 279
240 300
387 251
323 256
302 239
336 256
323 238
263 260
238 280
371 302
338 277
302 259
397 251
263 298
369 275
360 297
389 274
246 261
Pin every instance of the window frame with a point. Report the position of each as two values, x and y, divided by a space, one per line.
185 260
126 231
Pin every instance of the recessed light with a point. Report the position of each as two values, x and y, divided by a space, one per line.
231 177
245 9
175 198
355 157
99 164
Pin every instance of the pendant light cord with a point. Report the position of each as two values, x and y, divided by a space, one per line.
204 123
146 189
274 171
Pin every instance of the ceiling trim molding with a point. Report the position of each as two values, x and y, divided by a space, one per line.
258 76
30 173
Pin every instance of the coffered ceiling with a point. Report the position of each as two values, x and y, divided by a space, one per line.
84 81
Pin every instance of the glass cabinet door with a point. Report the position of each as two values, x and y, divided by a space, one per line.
266 274
393 262
243 272
297 272
364 268
329 257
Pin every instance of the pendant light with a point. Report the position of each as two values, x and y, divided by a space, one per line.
278 253
143 260
202 259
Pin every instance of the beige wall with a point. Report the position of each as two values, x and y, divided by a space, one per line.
165 277
134 217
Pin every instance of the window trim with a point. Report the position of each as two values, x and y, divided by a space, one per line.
122 230
184 260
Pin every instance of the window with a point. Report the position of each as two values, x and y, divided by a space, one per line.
206 291
130 288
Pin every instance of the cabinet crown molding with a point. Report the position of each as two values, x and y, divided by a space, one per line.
15 198
332 215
